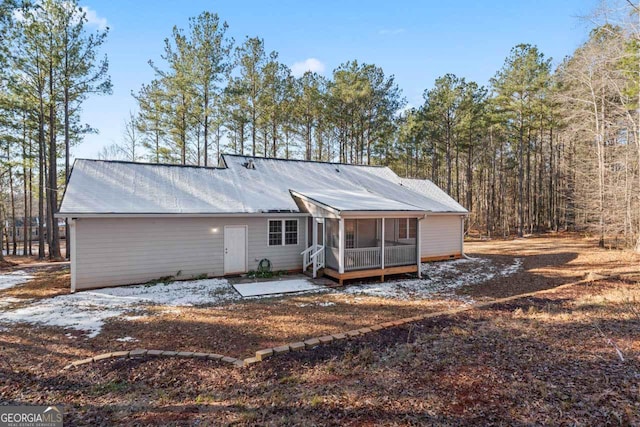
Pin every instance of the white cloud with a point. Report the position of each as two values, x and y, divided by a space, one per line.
93 18
310 64
391 31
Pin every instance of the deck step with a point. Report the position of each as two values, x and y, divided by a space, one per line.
309 273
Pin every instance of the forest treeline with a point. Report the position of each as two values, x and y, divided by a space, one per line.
539 148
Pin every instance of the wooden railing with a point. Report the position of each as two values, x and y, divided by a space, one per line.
368 258
399 255
318 260
361 258
306 256
313 255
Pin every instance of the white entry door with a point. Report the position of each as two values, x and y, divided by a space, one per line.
235 249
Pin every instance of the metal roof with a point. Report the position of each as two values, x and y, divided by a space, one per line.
350 201
113 187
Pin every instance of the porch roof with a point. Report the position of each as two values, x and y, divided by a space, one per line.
341 201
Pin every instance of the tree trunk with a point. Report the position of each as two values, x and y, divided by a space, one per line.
308 140
14 229
41 176
469 178
206 126
528 198
218 144
274 139
253 130
637 131
521 179
447 155
67 169
156 135
52 199
26 220
30 215
183 131
3 220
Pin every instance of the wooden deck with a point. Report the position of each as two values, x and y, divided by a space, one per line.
378 272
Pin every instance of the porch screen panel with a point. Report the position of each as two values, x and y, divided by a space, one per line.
390 226
413 227
366 235
402 228
407 228
332 232
331 248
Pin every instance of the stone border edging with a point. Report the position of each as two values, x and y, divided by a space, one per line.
262 355
156 353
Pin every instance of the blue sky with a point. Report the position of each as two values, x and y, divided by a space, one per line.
415 41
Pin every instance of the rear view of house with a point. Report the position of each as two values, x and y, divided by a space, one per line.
135 222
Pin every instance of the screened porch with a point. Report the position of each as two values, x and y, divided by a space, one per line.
367 246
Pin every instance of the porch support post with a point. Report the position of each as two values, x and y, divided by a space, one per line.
324 232
382 246
306 233
418 251
314 227
341 246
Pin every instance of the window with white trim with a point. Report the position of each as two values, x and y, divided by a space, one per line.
407 228
291 232
275 232
283 232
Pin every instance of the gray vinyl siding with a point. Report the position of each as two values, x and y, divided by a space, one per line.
440 235
120 251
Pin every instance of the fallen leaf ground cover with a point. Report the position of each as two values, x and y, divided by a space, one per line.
570 356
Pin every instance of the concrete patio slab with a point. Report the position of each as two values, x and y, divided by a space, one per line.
275 287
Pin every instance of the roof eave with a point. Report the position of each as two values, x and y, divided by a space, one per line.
382 214
177 214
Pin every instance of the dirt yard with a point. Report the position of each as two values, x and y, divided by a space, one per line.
563 357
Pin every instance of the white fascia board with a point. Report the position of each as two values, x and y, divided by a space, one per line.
382 214
182 215
314 202
447 213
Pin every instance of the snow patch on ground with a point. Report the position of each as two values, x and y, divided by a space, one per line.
132 318
513 268
11 300
317 304
127 339
88 310
9 280
441 278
